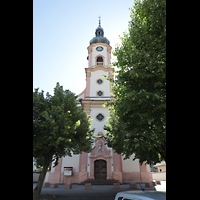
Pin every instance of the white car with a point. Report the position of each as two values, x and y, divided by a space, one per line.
129 195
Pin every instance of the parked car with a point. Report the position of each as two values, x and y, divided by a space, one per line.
130 195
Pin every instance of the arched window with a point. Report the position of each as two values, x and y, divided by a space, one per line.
99 60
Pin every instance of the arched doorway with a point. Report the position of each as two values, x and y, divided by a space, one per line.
100 169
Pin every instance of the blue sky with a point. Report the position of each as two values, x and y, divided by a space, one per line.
62 30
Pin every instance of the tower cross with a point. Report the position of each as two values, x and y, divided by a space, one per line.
99 20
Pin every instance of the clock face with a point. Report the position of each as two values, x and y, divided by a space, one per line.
99 48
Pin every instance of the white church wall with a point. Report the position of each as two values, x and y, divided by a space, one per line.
81 95
96 123
129 165
46 176
52 168
95 87
73 161
148 168
99 53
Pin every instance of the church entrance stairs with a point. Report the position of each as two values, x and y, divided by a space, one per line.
100 181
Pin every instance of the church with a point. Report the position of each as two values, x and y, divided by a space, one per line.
102 162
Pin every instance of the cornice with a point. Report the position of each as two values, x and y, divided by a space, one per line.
89 48
88 102
99 68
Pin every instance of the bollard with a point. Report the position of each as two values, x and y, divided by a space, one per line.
116 185
133 185
54 185
68 186
46 184
88 186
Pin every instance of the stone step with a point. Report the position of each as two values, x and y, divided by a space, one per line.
100 181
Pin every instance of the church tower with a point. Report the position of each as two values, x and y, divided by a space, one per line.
99 58
99 163
102 162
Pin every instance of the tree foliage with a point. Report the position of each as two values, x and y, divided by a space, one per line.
59 128
138 113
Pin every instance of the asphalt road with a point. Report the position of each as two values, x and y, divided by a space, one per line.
101 192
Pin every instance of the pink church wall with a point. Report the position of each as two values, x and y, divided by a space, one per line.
58 167
143 176
136 177
83 174
58 177
87 91
117 163
70 179
83 162
55 177
143 167
90 59
108 56
118 174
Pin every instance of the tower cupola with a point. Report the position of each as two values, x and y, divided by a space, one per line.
99 36
99 30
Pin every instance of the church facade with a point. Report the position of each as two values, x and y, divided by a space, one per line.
102 162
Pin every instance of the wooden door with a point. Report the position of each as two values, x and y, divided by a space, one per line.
100 169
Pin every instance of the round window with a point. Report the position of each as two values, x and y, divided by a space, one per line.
99 81
99 93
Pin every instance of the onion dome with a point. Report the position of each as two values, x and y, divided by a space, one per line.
99 36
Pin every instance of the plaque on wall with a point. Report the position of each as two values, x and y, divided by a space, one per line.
68 171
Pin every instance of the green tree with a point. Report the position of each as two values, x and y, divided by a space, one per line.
138 113
59 128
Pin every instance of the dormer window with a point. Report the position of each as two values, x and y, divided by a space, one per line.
99 60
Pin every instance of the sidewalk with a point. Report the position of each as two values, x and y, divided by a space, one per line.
162 187
105 192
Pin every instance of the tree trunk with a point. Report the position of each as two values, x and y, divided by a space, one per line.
38 188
